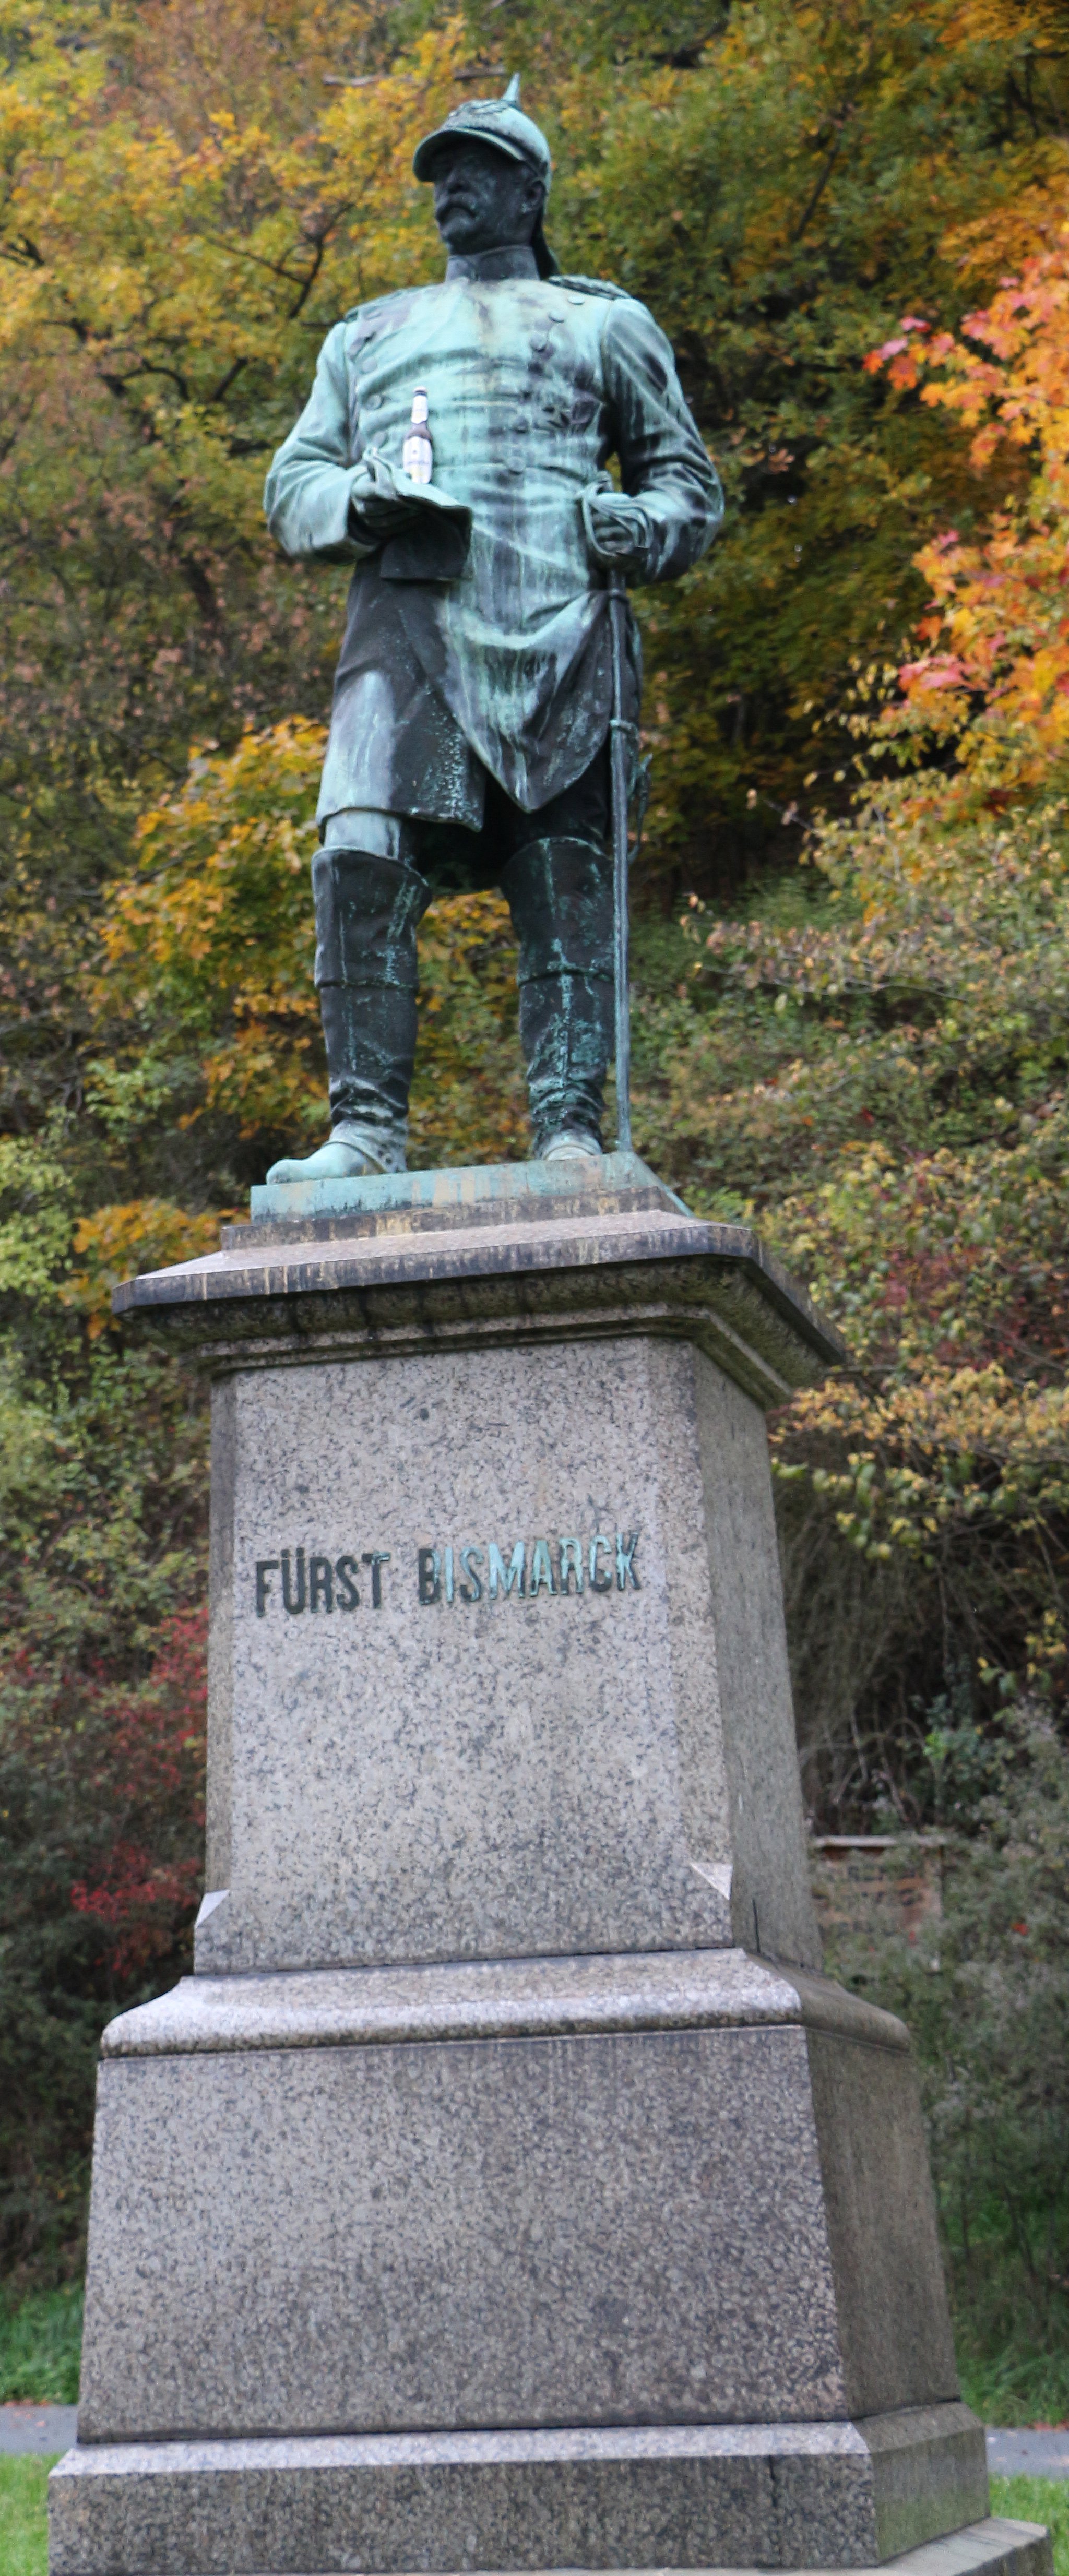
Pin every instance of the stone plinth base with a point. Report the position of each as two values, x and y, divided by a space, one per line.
827 2495
484 2202
652 2235
729 2497
684 2189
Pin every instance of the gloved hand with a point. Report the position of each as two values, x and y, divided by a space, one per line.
377 511
377 516
618 531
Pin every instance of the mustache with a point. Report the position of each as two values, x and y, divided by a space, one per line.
461 183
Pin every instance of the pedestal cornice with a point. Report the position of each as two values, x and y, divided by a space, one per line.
456 1264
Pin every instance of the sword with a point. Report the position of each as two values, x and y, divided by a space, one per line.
618 733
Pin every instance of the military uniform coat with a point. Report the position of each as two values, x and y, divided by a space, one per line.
532 384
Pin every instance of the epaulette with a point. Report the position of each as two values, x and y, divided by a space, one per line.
376 303
593 286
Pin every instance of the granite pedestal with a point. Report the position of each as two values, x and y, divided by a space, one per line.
507 2188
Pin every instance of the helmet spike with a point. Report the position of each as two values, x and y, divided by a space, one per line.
510 97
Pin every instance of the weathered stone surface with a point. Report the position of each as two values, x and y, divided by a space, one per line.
523 2233
929 2467
436 1273
771 1901
580 2226
433 1778
791 2496
493 1999
893 2321
481 2203
454 1194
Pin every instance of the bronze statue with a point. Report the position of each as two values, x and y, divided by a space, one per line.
454 450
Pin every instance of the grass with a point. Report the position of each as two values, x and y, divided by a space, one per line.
1019 2388
23 2486
23 2517
1037 2500
40 2347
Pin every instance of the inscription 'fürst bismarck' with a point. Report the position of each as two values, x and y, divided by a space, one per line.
299 1579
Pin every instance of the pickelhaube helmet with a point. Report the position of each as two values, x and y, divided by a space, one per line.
499 121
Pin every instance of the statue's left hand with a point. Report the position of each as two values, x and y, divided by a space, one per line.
377 516
378 508
618 532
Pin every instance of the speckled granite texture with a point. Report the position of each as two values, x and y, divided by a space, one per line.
485 2200
521 2233
790 2496
601 1768
683 2185
494 1998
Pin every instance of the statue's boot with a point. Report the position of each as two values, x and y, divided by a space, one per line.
334 1161
367 910
561 899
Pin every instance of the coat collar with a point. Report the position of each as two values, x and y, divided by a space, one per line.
480 265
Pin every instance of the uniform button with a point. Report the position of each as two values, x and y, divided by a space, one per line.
521 428
373 402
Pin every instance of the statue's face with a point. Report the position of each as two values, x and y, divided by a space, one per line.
482 200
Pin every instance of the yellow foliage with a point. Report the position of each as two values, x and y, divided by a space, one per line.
214 933
116 1242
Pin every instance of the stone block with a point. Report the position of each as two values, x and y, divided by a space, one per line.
554 1715
777 2496
593 2226
480 2203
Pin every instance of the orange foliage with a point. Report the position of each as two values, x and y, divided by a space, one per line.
146 1234
994 669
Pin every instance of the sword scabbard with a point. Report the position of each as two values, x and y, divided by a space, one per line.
619 730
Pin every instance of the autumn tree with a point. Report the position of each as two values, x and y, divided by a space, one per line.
191 195
867 1053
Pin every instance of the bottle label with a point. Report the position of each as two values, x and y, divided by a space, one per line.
417 456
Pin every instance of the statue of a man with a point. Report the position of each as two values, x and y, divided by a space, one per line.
468 742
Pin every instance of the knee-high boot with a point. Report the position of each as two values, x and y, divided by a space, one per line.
367 910
560 896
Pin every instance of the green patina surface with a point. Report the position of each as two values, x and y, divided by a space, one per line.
472 1185
488 650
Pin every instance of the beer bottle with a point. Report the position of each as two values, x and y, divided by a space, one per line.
417 454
